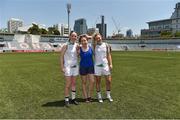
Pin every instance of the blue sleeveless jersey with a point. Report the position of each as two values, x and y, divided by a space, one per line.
86 58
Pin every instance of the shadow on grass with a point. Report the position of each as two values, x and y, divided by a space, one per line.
60 103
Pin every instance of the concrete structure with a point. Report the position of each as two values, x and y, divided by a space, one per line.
80 26
91 31
129 33
170 25
102 28
13 25
63 29
43 43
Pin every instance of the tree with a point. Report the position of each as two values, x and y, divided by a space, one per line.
177 34
34 30
166 34
56 32
53 31
43 31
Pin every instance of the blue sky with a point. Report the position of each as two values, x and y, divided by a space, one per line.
128 14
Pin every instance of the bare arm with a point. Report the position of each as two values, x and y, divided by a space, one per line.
63 49
109 57
78 50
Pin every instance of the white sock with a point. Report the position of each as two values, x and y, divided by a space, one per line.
66 98
99 95
108 93
73 95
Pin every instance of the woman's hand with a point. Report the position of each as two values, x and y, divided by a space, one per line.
63 70
110 67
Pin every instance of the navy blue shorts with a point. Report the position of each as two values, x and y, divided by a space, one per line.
86 70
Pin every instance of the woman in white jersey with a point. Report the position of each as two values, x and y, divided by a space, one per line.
103 66
69 66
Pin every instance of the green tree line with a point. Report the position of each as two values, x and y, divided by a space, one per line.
35 30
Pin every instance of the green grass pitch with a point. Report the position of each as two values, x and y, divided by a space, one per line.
144 85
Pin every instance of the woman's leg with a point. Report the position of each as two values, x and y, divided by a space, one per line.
108 87
108 82
98 88
67 86
84 81
73 90
66 89
91 85
73 83
98 83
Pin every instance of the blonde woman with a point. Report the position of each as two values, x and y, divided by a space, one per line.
69 66
103 66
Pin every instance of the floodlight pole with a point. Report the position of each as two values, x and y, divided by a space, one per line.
68 11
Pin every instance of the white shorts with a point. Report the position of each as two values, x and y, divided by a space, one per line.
69 71
103 70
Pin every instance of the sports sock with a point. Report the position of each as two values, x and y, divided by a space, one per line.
99 95
67 98
108 93
73 95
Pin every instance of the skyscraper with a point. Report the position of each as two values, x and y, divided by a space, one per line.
102 27
129 33
103 33
80 26
13 25
63 29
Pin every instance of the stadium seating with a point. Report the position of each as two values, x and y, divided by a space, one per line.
28 42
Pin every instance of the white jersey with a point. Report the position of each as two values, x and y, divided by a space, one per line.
101 54
70 56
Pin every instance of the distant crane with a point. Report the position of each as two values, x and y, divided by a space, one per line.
96 21
117 27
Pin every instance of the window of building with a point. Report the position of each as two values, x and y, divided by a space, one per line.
159 27
166 27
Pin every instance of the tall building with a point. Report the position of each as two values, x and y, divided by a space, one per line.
80 26
170 25
13 25
63 29
129 33
102 32
102 27
91 31
58 27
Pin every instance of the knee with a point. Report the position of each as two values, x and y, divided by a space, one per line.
97 82
109 81
73 84
67 87
83 83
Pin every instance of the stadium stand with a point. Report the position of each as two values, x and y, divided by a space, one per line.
37 43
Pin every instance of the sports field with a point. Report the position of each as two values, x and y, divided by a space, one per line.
145 85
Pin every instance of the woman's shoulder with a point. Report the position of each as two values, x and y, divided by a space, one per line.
90 46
